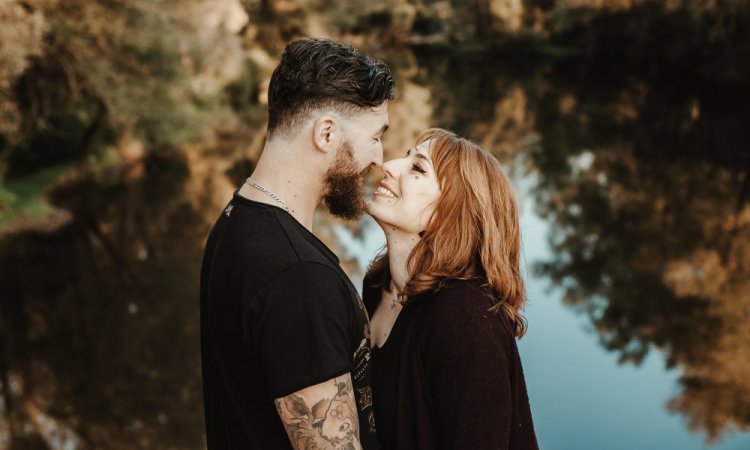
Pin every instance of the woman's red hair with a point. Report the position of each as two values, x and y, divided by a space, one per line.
473 233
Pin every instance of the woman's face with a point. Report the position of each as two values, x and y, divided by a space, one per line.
408 194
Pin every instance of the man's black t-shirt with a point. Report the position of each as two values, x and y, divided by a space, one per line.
277 315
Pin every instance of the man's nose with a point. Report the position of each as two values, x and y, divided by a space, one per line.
378 161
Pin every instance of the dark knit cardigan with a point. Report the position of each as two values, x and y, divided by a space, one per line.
461 383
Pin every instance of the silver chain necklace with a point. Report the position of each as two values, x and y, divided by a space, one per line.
267 192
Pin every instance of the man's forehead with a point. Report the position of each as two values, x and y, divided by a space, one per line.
381 114
375 119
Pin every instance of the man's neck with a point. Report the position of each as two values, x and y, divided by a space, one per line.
293 182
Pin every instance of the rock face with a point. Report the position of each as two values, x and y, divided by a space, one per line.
508 12
216 25
218 14
21 33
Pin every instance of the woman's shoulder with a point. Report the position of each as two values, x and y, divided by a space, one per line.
466 307
459 294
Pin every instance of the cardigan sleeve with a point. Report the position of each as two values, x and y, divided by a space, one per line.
469 368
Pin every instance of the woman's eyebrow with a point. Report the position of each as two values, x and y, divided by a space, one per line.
420 155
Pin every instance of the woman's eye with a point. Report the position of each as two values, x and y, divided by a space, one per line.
418 168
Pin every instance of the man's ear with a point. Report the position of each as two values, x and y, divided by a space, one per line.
326 131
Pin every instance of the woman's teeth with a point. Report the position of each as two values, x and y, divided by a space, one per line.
384 191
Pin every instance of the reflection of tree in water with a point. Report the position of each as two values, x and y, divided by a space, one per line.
645 178
100 316
642 167
644 171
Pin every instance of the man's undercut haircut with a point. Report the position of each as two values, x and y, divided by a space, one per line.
316 73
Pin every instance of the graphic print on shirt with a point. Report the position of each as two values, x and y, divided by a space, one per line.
361 372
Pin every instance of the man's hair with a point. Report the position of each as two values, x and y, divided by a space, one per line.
320 73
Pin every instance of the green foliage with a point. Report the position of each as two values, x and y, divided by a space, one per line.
108 70
25 197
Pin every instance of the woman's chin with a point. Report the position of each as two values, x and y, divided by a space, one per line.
371 208
373 212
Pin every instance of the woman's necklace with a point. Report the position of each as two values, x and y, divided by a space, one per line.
267 192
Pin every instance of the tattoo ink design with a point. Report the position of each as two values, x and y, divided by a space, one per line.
331 423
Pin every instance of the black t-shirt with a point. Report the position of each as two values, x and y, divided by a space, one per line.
278 314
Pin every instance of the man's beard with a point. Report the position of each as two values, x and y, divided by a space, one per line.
344 194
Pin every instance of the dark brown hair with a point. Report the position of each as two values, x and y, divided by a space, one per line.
316 73
473 233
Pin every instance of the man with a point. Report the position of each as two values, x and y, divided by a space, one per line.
284 335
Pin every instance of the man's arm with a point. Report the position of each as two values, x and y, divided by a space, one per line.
322 417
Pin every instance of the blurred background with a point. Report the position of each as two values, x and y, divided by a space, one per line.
125 126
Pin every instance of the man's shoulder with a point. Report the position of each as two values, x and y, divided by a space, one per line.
267 245
270 237
307 275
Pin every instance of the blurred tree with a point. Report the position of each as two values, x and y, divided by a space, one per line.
21 32
100 327
642 165
643 170
105 72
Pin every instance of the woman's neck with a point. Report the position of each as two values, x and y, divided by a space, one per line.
400 245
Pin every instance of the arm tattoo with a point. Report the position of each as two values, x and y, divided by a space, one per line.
326 419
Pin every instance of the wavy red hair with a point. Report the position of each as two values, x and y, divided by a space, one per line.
474 231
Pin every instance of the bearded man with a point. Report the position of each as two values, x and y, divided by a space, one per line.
284 336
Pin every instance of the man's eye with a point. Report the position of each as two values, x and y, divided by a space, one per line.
418 168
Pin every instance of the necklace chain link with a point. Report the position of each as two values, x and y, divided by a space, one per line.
267 192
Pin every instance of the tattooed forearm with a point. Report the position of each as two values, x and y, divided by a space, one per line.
321 417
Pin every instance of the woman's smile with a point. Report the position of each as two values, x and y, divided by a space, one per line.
385 190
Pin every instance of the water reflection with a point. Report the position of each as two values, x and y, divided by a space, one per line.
643 181
100 324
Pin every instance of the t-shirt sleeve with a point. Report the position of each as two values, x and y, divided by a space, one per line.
299 324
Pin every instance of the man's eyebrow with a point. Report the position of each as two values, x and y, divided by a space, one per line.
383 129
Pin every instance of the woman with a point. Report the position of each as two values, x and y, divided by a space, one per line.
445 301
